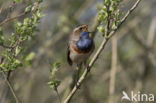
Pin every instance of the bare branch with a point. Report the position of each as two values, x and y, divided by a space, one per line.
13 18
58 94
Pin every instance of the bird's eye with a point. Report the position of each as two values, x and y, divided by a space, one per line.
81 28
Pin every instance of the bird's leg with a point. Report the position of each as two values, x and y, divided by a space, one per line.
87 66
77 76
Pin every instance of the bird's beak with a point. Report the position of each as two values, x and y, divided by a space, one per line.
86 29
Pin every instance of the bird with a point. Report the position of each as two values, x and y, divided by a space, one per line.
80 47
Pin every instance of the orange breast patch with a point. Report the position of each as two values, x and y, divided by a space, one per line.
80 51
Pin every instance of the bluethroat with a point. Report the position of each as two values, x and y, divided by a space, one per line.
80 46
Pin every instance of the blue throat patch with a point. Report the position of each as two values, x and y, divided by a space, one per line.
85 43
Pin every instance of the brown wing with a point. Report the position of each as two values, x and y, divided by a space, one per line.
68 56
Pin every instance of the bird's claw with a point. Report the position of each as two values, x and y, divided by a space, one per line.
88 68
77 86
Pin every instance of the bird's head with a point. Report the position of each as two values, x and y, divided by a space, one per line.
80 29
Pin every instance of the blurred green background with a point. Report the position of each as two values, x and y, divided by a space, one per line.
136 57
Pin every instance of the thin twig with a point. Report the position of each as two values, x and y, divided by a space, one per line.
56 90
8 83
100 49
130 11
5 46
10 86
10 19
108 20
125 17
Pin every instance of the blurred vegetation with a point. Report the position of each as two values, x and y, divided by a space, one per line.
30 43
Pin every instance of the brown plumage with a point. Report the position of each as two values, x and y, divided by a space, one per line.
76 54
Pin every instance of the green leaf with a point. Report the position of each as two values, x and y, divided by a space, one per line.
30 56
17 63
57 83
107 2
53 83
57 65
2 65
13 37
101 29
26 21
17 50
17 0
28 9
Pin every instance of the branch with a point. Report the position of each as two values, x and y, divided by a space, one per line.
125 17
5 46
8 83
10 19
130 11
10 86
56 90
100 49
